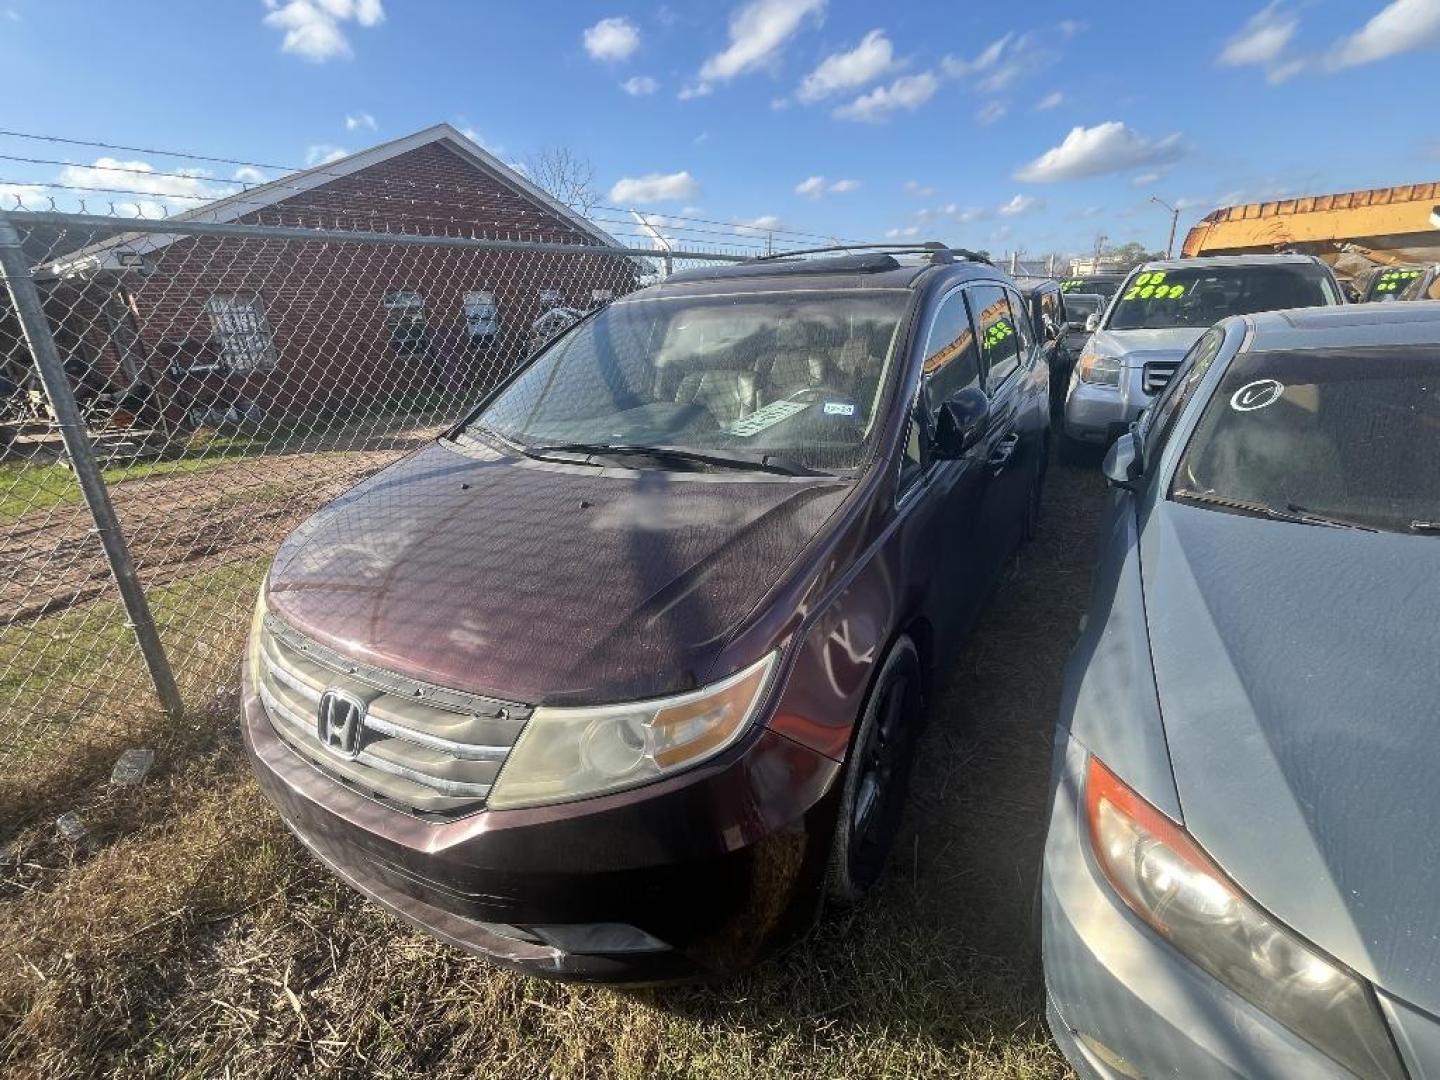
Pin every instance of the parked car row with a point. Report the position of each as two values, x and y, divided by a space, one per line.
622 677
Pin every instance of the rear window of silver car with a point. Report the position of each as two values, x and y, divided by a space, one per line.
1201 296
1349 435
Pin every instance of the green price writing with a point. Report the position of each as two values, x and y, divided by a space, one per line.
1153 286
998 333
1395 280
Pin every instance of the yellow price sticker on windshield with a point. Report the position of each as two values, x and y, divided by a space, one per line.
1153 286
998 333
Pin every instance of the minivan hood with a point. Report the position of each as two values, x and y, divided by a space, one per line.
1296 667
539 583
1142 346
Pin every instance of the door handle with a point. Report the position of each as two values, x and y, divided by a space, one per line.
1004 450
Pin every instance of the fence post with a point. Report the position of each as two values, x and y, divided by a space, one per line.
30 310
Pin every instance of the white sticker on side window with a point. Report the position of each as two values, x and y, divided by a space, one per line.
1257 395
766 417
839 408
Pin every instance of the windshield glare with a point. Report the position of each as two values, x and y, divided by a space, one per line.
1351 435
794 375
1080 305
1201 297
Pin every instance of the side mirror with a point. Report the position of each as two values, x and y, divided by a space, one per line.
964 417
1092 322
1123 466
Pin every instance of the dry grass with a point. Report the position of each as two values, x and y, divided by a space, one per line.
192 937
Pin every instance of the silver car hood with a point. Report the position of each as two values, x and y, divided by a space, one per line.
1141 346
1296 668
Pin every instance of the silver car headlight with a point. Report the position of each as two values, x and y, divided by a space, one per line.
566 754
1097 369
1166 879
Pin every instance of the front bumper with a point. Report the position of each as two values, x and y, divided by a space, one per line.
719 865
1121 1002
1099 414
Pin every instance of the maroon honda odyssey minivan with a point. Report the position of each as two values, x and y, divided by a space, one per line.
622 676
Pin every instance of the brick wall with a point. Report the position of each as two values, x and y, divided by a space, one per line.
325 302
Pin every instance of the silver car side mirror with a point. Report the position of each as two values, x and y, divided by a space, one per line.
1092 322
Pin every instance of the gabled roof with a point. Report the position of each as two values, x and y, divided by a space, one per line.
103 255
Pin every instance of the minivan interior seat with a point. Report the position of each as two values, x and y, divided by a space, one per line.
727 395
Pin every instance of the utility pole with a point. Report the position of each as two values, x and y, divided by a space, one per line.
1099 251
1174 221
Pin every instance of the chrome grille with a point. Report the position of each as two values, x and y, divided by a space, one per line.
425 747
1156 375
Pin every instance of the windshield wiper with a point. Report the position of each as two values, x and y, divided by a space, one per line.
1422 526
1293 512
770 463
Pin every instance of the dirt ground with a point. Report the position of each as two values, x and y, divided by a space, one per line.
189 935
182 523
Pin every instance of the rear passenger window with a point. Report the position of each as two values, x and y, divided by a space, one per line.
996 326
1024 322
952 357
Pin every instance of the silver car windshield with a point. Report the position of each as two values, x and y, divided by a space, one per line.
1201 296
798 376
1327 436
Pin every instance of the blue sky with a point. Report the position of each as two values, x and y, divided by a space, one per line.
1000 126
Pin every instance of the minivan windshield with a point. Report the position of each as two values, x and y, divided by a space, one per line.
1328 436
1201 296
793 377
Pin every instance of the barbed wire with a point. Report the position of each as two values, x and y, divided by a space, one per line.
320 170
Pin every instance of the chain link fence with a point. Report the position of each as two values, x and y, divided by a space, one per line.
177 395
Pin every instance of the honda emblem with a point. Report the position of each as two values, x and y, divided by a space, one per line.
339 721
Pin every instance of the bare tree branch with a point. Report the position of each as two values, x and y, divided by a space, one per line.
565 175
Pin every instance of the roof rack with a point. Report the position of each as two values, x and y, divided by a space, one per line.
939 253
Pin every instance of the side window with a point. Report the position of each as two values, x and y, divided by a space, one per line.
995 324
241 331
1051 313
1024 321
405 317
952 357
1160 417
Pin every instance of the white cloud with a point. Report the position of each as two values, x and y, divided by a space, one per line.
323 153
248 174
815 186
1105 148
1020 204
653 188
183 189
24 197
872 58
906 92
1050 101
757 226
639 85
611 39
356 121
900 234
1145 178
1402 26
1263 38
990 112
314 28
1071 27
919 190
959 68
1002 63
811 187
1285 71
758 31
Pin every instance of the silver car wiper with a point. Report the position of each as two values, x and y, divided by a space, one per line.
771 463
1293 512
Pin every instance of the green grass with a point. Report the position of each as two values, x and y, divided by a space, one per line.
26 487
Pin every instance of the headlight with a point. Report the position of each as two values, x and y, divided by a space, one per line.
1174 886
566 754
1098 370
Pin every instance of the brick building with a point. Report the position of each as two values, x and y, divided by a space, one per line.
294 325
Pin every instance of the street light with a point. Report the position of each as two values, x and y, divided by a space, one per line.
1174 221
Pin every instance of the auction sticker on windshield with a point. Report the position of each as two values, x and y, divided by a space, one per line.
766 417
1153 286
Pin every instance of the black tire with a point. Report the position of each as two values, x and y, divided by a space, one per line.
877 776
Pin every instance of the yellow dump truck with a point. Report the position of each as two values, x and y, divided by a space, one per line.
1359 233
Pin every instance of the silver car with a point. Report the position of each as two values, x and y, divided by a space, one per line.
1240 876
1159 312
